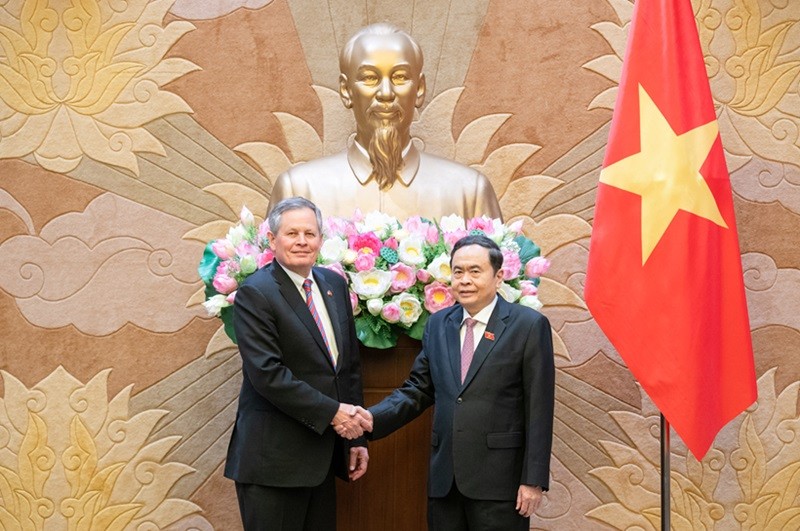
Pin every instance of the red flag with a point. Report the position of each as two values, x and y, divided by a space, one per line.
664 279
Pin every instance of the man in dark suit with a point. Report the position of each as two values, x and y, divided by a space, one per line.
296 335
488 366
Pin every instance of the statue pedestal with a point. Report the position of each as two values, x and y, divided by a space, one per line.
393 493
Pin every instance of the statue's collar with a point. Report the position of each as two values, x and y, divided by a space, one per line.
359 162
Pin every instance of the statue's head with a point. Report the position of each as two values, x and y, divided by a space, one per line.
382 82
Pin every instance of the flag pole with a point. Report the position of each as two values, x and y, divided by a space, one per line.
665 470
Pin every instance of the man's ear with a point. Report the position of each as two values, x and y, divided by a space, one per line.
420 91
344 92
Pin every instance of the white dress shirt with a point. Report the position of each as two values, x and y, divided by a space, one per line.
319 303
480 327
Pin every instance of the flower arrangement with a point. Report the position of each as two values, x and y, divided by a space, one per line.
398 272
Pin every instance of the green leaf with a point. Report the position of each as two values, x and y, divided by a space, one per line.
527 249
371 333
416 330
208 266
226 314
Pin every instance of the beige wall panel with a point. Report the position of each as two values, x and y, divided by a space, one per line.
104 213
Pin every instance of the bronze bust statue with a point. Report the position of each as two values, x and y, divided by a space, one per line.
382 82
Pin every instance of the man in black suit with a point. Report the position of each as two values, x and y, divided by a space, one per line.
296 335
493 421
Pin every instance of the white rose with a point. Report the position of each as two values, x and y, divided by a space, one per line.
509 293
410 251
215 304
246 216
379 223
439 268
371 284
333 250
349 256
531 301
498 231
400 234
374 306
236 235
452 223
410 308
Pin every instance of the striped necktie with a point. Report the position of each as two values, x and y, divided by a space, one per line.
315 314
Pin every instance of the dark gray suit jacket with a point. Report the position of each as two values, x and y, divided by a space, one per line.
290 391
494 432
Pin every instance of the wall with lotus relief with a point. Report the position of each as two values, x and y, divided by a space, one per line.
131 132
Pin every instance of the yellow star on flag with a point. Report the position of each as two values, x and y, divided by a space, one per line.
666 173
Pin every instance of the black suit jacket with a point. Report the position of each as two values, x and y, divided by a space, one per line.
290 391
494 432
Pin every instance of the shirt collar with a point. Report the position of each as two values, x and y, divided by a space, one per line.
299 279
483 315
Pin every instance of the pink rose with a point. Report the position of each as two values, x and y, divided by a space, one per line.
511 264
265 258
450 238
354 303
528 288
336 267
403 277
438 297
223 249
536 267
516 227
432 235
484 223
358 216
365 262
334 226
224 284
392 243
415 226
391 312
247 249
423 276
231 296
365 243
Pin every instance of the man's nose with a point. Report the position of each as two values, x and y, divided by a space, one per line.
385 92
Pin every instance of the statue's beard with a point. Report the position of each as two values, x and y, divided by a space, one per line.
385 151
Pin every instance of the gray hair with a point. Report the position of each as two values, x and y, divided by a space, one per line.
379 28
292 203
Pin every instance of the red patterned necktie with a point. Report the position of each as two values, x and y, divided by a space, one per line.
315 314
468 349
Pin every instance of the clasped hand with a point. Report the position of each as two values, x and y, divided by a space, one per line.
352 421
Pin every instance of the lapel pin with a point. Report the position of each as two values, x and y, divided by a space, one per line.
330 293
489 336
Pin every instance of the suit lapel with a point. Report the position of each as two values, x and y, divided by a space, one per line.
333 312
453 341
298 305
494 329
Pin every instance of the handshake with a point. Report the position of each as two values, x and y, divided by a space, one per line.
351 421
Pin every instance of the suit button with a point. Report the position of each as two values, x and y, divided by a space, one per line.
459 400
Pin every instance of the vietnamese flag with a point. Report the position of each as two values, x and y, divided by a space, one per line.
664 279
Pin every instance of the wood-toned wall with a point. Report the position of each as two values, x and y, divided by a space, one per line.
131 132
